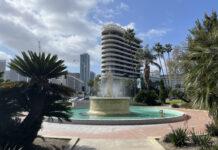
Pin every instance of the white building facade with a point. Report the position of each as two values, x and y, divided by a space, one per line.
118 54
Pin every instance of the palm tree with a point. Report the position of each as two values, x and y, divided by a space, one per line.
168 49
146 58
129 36
42 98
158 48
201 65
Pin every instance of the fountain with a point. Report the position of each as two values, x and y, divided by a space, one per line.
112 109
109 105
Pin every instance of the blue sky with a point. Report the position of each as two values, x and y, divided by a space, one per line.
73 27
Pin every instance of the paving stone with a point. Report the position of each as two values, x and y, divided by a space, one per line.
118 144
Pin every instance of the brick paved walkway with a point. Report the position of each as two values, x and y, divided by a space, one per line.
197 121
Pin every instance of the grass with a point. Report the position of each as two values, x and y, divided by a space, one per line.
176 101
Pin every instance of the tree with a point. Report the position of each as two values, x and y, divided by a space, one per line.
175 63
90 84
96 84
168 49
161 92
129 36
40 98
129 86
146 58
158 48
201 65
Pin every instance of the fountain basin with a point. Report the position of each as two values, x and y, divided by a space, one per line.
137 116
107 106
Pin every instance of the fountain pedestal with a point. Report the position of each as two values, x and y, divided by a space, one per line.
109 106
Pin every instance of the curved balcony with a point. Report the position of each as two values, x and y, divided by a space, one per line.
105 41
119 56
115 50
119 37
121 70
118 46
115 64
118 60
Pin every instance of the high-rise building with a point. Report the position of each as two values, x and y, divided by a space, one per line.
22 78
7 75
92 75
118 54
14 76
2 65
72 81
84 69
60 80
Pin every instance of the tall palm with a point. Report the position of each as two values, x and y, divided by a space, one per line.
158 48
146 58
42 97
201 65
129 36
168 49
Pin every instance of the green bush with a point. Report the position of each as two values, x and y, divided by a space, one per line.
212 129
146 97
194 138
175 105
167 138
186 105
214 148
179 137
204 141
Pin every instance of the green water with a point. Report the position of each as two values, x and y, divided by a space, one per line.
136 113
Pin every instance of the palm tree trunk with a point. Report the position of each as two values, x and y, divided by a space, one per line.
32 123
146 74
166 71
170 75
160 64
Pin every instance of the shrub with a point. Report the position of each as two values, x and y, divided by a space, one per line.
212 129
205 141
147 97
194 138
186 105
214 147
167 138
175 105
179 137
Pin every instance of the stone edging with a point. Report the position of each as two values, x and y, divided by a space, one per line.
119 122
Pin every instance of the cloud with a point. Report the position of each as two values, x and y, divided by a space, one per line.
153 33
4 56
131 25
62 28
123 6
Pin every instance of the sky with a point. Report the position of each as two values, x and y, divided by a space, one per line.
69 28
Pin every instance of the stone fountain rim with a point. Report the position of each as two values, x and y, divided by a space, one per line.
93 97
